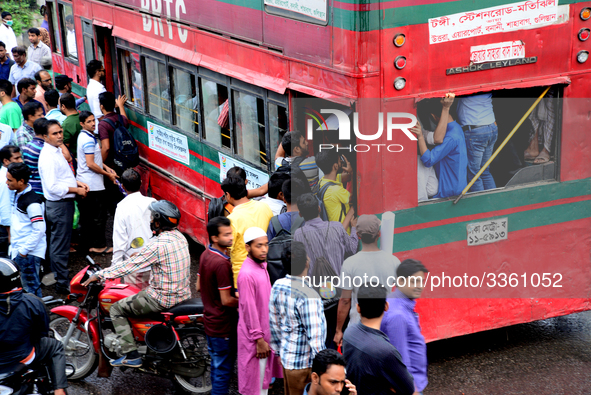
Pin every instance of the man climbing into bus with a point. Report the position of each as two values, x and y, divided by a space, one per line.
477 119
449 158
246 214
296 145
333 194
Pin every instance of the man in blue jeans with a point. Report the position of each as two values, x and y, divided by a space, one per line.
220 316
477 119
27 227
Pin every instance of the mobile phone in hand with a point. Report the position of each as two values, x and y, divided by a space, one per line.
345 390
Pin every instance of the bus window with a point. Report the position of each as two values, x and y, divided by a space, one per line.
158 94
214 98
277 126
249 127
131 77
88 39
68 30
185 99
54 31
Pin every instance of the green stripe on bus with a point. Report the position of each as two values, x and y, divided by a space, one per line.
488 202
450 233
394 16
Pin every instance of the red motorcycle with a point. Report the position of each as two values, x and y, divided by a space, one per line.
172 343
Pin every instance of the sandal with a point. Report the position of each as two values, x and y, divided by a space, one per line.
107 250
542 158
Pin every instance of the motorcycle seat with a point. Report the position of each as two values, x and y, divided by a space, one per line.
188 307
10 371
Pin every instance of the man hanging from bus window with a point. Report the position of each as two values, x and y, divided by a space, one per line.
296 144
542 120
335 197
401 322
427 183
477 119
449 158
246 214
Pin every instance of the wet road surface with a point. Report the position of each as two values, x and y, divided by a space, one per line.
543 358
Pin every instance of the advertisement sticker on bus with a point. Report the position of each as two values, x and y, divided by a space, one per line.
172 144
505 18
255 178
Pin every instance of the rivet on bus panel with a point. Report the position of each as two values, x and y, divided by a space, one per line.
399 40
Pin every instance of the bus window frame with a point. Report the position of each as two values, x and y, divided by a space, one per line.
200 73
162 59
88 35
557 136
54 36
191 69
63 29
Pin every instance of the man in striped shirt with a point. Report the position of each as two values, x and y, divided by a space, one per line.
293 150
31 153
298 327
169 258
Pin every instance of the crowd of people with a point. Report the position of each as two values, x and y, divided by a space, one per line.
266 309
68 160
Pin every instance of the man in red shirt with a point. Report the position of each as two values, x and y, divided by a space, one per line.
106 131
217 292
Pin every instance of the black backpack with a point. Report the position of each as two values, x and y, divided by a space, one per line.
320 197
217 208
125 151
294 171
276 246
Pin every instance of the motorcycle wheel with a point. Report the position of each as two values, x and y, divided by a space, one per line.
79 352
195 346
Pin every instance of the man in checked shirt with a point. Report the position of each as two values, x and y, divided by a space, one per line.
298 326
168 257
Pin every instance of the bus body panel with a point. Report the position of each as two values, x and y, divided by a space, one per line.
352 58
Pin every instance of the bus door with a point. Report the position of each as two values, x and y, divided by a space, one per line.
105 52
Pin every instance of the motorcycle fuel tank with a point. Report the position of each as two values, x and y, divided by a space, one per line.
114 292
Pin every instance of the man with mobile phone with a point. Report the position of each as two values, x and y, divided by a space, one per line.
328 375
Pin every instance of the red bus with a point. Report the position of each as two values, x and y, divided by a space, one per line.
181 62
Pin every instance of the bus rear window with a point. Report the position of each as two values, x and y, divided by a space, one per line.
249 127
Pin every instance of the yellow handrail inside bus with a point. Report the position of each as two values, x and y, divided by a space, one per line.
488 162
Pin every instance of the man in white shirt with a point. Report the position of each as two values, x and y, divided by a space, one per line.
71 36
131 227
37 50
274 199
96 71
6 33
22 68
8 154
6 134
59 188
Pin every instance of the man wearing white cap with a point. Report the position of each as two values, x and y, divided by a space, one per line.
257 363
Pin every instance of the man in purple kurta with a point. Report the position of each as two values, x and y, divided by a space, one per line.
257 363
